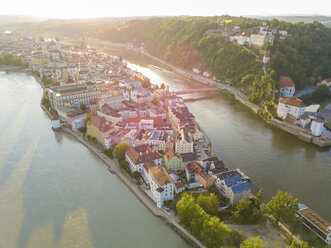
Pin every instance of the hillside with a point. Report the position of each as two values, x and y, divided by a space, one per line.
190 42
183 41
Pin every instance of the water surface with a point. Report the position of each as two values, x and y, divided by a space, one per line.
54 192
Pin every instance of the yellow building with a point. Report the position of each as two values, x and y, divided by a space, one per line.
99 128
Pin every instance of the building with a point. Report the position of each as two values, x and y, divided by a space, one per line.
292 106
109 114
315 223
55 122
266 58
232 187
161 185
173 161
304 121
206 180
72 95
316 127
192 170
76 119
179 187
99 128
139 155
286 86
184 143
261 39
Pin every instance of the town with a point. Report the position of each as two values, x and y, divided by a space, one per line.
148 128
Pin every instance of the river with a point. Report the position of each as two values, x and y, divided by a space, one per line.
54 192
272 158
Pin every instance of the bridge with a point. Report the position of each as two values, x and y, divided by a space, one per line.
201 90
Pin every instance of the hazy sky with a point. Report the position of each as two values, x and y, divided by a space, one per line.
99 8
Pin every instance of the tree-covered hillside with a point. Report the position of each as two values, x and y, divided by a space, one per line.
305 56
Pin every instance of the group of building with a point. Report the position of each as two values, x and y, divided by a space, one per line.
265 35
167 146
294 111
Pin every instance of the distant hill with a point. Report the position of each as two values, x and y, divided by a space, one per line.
326 20
12 19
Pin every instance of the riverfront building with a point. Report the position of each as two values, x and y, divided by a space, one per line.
72 95
139 155
161 185
292 106
286 87
99 128
317 126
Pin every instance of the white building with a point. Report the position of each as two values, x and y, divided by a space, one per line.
304 121
286 86
55 122
261 39
77 121
71 95
161 185
317 126
292 106
266 58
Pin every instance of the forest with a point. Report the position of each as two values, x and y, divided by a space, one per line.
182 41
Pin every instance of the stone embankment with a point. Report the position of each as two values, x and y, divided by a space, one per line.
300 133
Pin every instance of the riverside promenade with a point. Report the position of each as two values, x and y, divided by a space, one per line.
115 168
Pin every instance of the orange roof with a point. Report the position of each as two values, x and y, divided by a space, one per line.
169 154
292 101
101 123
142 154
160 175
55 117
285 82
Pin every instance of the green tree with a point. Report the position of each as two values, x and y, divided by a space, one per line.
208 203
124 164
253 242
296 244
109 153
213 232
260 197
321 90
136 175
234 238
187 210
87 119
283 207
83 106
248 211
120 150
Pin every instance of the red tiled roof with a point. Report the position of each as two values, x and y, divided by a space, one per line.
285 82
142 154
161 175
292 101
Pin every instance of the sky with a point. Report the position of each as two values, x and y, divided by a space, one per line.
102 8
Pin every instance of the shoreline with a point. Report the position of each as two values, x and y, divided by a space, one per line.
296 131
114 168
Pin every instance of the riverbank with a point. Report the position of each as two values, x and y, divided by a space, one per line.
114 168
300 134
